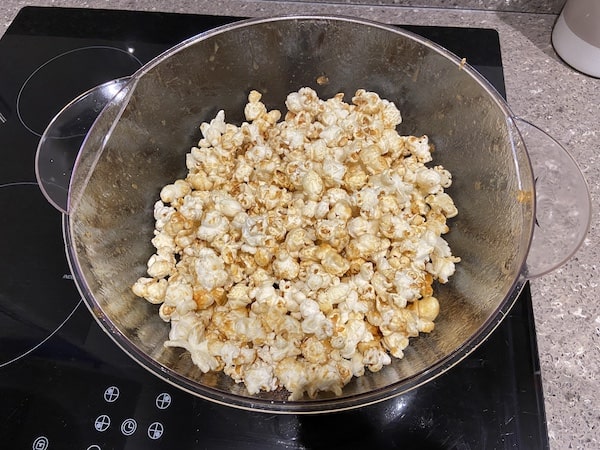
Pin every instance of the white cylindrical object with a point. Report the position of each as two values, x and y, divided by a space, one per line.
576 35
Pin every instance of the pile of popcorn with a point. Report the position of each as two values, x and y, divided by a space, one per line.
298 252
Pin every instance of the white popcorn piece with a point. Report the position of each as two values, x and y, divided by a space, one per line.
213 224
177 190
259 377
419 147
284 266
162 214
297 253
152 289
375 358
210 269
181 296
313 186
212 131
161 265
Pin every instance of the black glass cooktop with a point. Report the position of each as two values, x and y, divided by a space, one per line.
65 385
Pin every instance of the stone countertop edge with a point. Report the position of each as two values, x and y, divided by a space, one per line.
541 89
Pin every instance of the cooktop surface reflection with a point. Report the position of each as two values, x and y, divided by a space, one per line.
64 384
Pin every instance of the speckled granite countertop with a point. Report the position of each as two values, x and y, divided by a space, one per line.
541 89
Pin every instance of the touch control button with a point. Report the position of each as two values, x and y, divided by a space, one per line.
163 400
111 394
155 430
102 423
40 443
128 427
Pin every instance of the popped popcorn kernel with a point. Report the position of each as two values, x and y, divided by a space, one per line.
298 253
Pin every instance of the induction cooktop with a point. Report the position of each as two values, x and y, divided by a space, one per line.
64 384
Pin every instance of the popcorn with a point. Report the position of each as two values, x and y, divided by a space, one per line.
297 253
172 192
152 289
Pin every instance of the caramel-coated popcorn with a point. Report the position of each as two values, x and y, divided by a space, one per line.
297 252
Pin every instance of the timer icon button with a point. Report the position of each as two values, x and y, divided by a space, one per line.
128 427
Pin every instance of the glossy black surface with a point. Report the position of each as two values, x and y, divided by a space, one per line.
60 374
